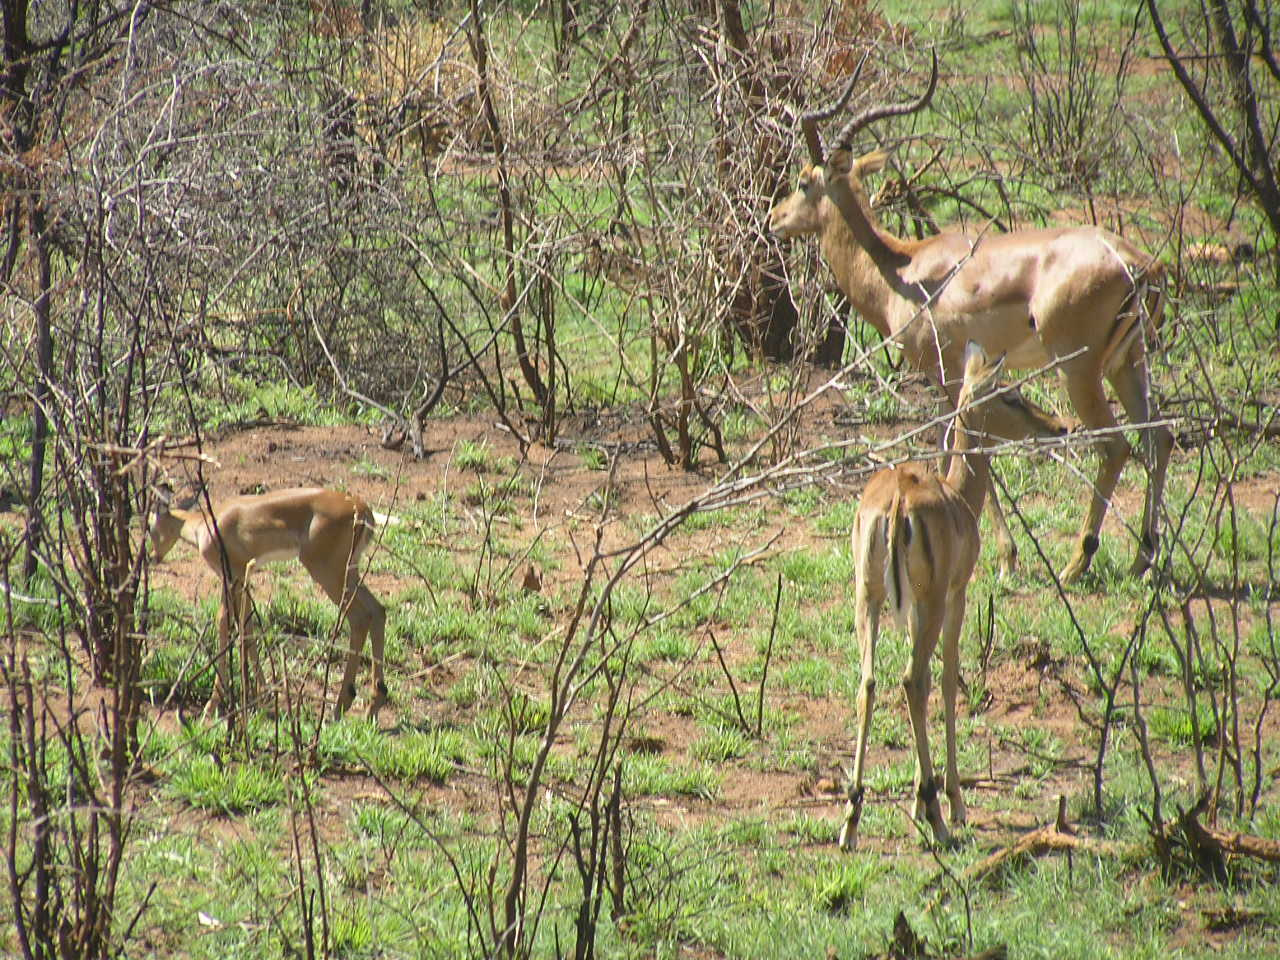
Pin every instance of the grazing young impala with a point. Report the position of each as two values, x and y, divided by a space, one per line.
1082 296
915 541
325 530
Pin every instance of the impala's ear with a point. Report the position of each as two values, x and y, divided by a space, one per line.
980 372
166 497
161 496
974 355
870 163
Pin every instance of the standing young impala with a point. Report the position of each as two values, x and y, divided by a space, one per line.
915 540
325 530
1081 296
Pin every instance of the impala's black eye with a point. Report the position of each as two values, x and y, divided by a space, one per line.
1013 400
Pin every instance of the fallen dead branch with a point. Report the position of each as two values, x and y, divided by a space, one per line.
1209 847
1051 838
1244 844
1214 426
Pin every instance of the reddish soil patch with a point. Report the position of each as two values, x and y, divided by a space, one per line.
1031 690
1028 689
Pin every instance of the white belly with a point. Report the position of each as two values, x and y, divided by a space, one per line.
1007 330
279 555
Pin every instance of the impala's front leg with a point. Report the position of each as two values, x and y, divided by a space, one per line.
232 627
221 699
251 677
1006 548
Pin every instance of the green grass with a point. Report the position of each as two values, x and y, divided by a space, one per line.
242 399
840 889
357 745
15 439
593 458
837 521
812 677
236 788
421 756
645 775
370 469
810 830
775 882
1173 724
35 605
476 455
813 573
721 745
668 645
177 668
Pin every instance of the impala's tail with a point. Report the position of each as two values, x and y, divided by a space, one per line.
365 528
900 530
1140 316
1155 292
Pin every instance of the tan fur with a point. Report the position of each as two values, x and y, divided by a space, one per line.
915 542
325 530
1034 295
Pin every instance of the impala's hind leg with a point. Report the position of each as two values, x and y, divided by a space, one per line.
952 622
1085 387
925 623
374 617
252 680
1132 386
869 592
364 614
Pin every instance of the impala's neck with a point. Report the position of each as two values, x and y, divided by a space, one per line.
857 275
969 471
193 522
852 224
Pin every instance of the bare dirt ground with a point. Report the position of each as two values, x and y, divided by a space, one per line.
1032 689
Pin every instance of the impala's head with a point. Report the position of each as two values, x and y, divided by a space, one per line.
165 529
1001 411
800 214
805 211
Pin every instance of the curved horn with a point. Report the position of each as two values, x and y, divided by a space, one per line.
870 116
809 121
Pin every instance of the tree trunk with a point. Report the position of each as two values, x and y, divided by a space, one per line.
761 308
1255 158
44 375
